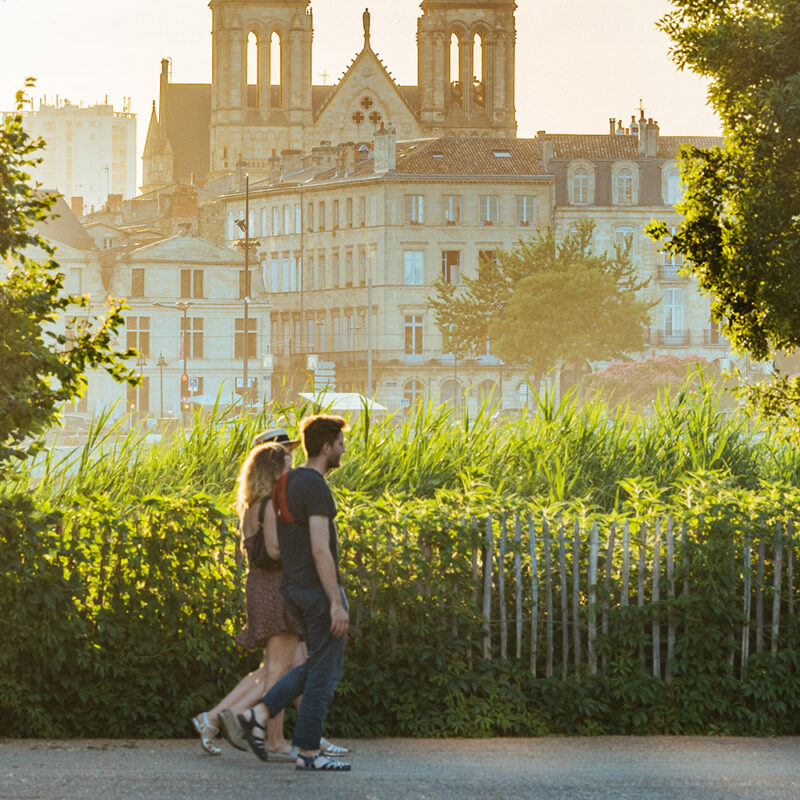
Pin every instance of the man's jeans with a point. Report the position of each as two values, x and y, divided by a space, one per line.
317 679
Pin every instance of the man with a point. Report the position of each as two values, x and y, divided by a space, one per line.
312 589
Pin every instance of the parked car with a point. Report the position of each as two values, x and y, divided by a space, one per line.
75 425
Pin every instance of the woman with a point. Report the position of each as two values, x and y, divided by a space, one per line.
270 625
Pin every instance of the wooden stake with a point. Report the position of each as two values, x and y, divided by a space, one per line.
626 565
607 587
562 560
534 596
592 593
760 596
548 576
488 562
776 590
576 595
671 600
746 572
656 598
501 589
518 583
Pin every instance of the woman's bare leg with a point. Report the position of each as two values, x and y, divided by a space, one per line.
243 695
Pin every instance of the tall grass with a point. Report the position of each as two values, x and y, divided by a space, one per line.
564 450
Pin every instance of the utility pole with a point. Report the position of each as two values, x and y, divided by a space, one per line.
245 337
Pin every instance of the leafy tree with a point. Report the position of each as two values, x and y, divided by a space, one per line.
741 231
546 303
38 372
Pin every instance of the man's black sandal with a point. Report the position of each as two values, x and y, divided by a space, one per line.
256 743
320 763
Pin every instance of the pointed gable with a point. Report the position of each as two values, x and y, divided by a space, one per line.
184 248
365 91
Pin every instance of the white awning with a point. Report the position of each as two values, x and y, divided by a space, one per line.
344 401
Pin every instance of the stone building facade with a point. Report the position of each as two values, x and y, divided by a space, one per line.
262 101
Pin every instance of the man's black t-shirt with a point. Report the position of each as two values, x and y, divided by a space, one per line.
307 495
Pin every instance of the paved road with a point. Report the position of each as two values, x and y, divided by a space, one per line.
605 768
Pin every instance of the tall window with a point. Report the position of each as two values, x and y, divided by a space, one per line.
348 212
362 212
231 226
625 187
276 221
139 397
137 333
348 267
137 283
413 268
413 392
362 266
275 271
252 331
298 217
625 236
264 231
580 186
673 316
243 284
74 328
674 187
287 216
309 221
415 209
192 336
486 260
322 215
335 266
451 266
456 96
191 283
321 270
451 209
413 334
335 221
488 209
526 210
310 272
671 261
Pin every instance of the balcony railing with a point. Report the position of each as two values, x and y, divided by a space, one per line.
670 338
714 339
670 273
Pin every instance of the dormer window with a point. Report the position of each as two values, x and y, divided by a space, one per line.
502 154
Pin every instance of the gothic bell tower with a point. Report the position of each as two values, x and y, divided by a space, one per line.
466 67
261 79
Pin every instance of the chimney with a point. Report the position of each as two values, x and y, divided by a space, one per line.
612 124
642 132
385 151
323 158
651 139
347 156
274 169
547 149
77 206
634 127
291 161
620 130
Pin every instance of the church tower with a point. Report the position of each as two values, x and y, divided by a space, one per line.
466 67
261 79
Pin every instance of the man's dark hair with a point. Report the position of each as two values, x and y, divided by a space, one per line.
316 431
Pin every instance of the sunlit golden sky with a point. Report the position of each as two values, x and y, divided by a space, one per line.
579 62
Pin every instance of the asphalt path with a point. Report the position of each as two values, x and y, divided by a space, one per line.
604 768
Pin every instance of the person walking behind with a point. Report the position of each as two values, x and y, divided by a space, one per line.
270 625
311 586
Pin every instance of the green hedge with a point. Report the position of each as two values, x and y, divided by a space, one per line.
122 626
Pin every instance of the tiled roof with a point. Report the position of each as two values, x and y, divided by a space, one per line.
473 156
622 146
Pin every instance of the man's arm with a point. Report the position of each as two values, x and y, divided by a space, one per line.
326 569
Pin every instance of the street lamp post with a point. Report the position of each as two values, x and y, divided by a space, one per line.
246 243
141 362
162 362
183 306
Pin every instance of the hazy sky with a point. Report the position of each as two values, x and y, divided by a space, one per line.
579 62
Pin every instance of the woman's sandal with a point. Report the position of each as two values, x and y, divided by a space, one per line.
331 749
207 733
256 743
321 763
230 729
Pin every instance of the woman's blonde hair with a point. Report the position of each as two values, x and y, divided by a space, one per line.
259 473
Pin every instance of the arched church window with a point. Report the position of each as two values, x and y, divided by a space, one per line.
456 89
252 70
276 69
478 92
